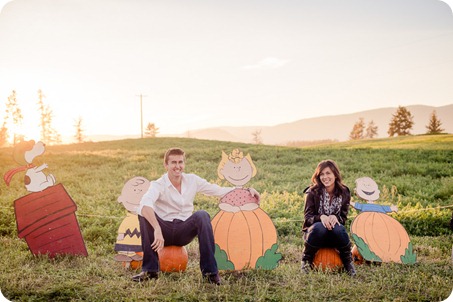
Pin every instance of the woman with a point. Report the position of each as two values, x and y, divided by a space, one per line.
326 208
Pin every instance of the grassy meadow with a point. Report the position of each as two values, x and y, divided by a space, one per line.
415 173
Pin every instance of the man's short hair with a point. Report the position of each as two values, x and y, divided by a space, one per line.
174 151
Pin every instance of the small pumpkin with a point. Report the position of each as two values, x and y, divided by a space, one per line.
173 258
134 264
358 259
327 258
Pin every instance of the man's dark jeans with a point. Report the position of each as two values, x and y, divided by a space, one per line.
180 233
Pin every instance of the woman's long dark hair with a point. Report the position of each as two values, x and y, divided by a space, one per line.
317 185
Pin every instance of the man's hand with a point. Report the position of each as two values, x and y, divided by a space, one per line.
158 242
254 193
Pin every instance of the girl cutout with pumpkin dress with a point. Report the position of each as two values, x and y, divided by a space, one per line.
244 234
378 237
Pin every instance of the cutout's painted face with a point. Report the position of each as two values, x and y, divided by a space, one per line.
367 189
132 193
238 174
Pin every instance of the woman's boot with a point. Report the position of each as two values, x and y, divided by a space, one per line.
346 258
308 257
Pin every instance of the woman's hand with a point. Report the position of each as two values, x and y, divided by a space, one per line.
329 222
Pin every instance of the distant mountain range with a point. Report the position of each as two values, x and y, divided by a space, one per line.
336 127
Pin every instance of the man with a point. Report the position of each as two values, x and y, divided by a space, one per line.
166 217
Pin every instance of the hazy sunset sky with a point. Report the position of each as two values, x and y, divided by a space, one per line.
205 63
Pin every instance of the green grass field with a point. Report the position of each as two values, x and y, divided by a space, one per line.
415 173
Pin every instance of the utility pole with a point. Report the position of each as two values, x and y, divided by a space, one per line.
141 113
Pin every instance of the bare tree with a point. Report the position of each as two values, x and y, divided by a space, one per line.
13 113
79 136
151 130
401 123
257 139
434 124
48 134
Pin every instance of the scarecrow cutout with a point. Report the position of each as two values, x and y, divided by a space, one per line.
378 236
245 236
128 242
45 217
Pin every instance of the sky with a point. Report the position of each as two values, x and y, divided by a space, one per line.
208 63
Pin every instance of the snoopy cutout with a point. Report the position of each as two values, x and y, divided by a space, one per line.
24 154
45 217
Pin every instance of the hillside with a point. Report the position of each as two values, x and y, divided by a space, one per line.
414 172
327 127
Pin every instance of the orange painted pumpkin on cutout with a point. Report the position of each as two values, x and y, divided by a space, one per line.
327 258
244 235
384 235
173 258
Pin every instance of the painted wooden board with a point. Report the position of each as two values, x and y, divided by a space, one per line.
48 222
378 236
24 154
128 243
244 234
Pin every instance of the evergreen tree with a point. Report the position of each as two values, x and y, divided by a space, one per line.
434 124
371 130
151 130
401 123
357 130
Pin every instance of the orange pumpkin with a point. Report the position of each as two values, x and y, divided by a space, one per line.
327 258
134 264
173 258
244 236
384 235
358 259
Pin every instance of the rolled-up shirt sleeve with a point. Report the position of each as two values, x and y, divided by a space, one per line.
211 189
150 197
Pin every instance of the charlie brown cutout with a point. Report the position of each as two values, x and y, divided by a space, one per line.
128 242
379 237
244 234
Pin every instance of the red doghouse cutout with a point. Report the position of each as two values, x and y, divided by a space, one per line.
45 217
48 223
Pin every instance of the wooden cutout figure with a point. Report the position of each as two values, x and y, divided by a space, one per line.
128 242
45 217
379 237
244 234
35 180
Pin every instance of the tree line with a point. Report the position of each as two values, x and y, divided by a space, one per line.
11 132
401 124
10 128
